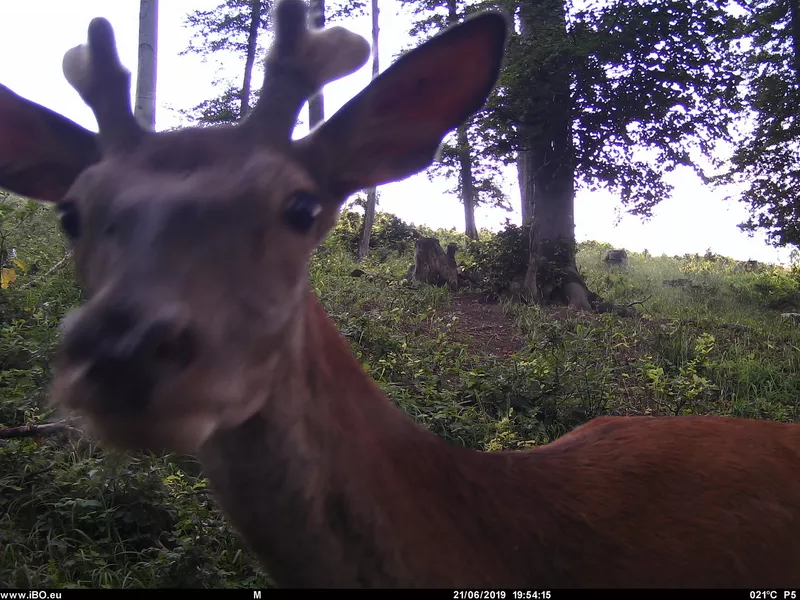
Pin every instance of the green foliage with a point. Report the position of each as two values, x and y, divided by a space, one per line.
75 515
698 286
345 9
390 235
464 154
225 108
643 87
775 290
31 307
226 28
766 159
677 383
501 259
484 171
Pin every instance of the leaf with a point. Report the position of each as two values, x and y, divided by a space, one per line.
7 276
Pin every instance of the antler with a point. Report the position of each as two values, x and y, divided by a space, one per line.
96 73
298 64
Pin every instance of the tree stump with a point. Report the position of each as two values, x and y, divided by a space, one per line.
791 317
432 265
617 258
451 255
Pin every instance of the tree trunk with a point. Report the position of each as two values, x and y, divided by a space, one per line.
547 166
372 193
794 15
252 39
366 226
316 104
451 255
525 189
467 189
464 154
145 106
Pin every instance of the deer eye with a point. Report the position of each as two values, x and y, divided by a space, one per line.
302 211
70 220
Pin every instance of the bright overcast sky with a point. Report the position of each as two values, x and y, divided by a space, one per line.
34 35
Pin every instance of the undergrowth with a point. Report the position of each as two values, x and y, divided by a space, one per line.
709 340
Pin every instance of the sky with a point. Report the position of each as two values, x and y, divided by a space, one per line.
35 34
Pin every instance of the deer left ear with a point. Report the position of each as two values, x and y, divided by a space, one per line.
394 127
41 152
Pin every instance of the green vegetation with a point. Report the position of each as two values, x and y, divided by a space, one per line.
488 375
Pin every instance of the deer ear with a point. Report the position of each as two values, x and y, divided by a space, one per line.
394 127
41 152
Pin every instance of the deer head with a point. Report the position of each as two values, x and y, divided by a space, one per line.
193 245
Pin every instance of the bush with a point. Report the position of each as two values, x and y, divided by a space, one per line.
777 291
500 259
390 234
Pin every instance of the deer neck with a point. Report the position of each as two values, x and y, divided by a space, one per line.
319 481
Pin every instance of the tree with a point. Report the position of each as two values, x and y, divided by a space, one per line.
613 94
464 154
145 107
465 160
461 158
766 159
372 193
316 104
232 26
252 39
348 9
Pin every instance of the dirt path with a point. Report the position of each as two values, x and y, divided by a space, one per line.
483 326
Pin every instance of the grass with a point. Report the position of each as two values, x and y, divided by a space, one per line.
75 515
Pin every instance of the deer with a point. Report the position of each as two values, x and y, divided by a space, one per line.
200 333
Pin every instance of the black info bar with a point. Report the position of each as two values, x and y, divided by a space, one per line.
452 594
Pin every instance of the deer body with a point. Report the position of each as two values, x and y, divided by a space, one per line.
200 334
353 493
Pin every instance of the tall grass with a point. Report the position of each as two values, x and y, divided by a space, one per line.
73 514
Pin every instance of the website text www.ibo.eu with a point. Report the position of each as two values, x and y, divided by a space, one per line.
30 595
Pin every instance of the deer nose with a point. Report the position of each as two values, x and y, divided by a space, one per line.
127 355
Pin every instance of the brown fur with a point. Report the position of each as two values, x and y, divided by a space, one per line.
201 334
362 496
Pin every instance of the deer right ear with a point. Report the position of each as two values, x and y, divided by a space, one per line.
41 152
394 127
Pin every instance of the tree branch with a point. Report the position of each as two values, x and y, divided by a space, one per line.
49 272
31 430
